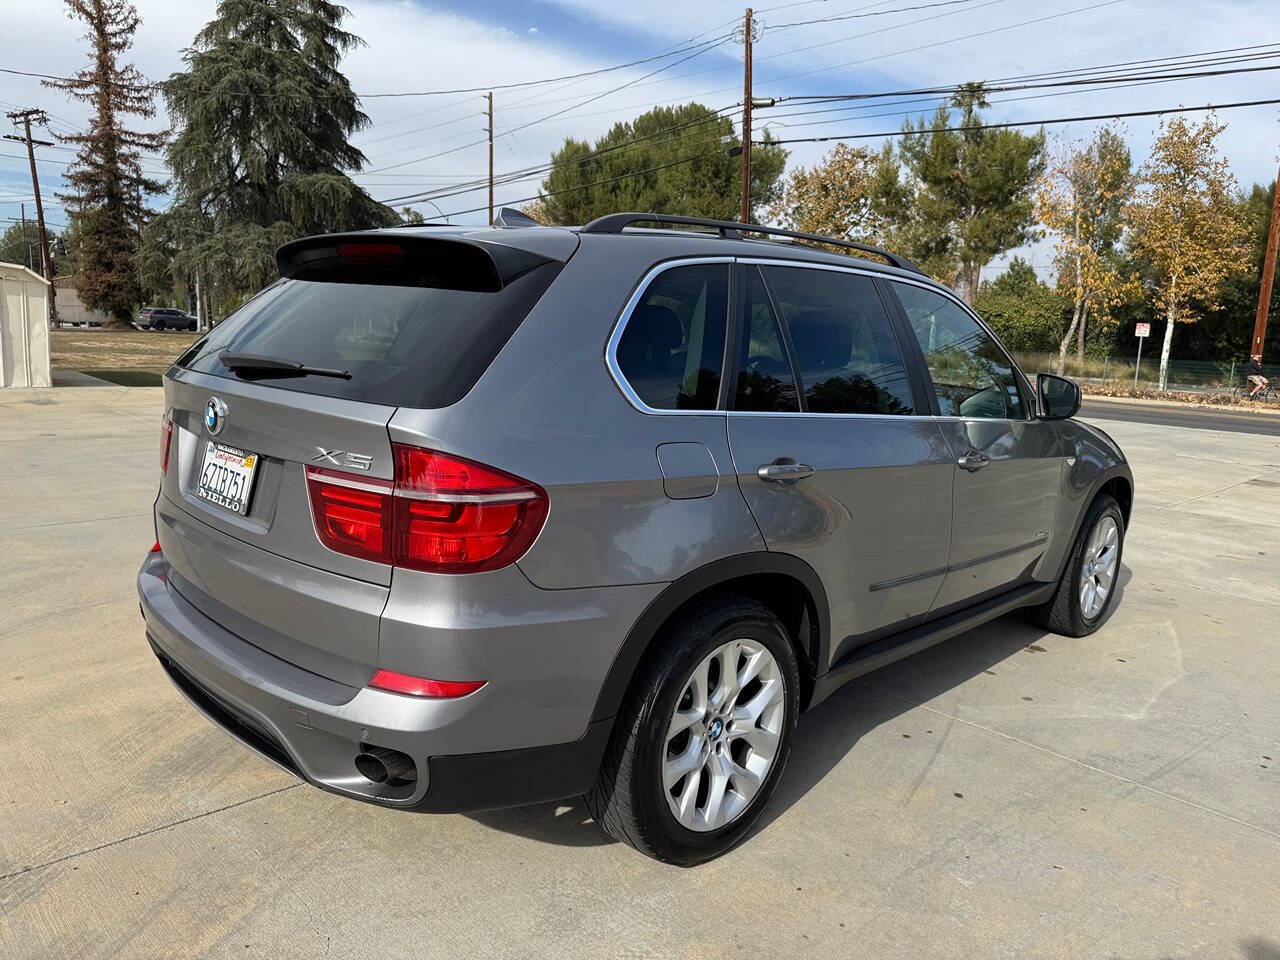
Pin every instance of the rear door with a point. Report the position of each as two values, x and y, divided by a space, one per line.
837 461
235 517
1009 465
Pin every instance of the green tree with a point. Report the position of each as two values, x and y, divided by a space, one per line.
1185 224
833 197
263 116
680 163
107 184
1224 332
1025 312
1081 200
20 243
955 197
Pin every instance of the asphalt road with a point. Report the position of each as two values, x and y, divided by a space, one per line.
1173 415
1007 794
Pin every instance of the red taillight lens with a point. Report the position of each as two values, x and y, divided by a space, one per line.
443 514
166 441
155 547
421 687
352 516
458 516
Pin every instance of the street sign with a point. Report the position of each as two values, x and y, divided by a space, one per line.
1142 330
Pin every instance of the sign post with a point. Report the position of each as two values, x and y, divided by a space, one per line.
1141 331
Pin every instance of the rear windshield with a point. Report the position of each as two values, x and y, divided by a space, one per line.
403 346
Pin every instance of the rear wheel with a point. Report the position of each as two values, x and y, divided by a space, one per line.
704 736
1090 579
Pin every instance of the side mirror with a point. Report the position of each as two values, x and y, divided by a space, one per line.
1059 397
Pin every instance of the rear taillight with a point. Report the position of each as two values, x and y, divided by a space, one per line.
443 514
166 441
155 547
352 516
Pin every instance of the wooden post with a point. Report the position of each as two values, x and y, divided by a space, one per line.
1268 275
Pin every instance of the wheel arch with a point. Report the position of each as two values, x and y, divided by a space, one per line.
1117 481
784 583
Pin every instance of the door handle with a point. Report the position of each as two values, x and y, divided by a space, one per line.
973 461
784 471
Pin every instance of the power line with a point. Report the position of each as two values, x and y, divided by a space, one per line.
529 172
550 116
860 15
1032 123
597 183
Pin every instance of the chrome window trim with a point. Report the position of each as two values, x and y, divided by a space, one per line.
615 371
611 348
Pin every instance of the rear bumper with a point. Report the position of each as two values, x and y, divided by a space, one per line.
314 726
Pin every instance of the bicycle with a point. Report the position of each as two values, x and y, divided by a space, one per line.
1270 392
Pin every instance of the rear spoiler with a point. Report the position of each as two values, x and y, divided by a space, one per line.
404 260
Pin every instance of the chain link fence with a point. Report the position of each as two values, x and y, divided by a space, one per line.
1188 376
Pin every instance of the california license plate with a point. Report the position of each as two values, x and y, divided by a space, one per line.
226 477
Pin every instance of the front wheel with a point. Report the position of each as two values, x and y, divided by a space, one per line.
1090 580
704 736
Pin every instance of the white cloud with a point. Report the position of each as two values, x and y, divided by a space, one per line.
412 47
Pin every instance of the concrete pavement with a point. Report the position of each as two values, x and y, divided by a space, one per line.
1007 794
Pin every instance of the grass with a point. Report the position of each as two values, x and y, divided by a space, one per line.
132 358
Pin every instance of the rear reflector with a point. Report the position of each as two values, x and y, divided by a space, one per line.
155 547
166 441
421 687
443 514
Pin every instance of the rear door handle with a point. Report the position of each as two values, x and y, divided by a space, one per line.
784 470
973 461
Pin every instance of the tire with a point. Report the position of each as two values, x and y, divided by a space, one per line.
1065 612
191 325
630 798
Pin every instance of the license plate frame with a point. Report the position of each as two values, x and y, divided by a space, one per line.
226 477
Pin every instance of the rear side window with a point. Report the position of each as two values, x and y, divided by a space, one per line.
412 346
845 348
672 347
972 376
765 381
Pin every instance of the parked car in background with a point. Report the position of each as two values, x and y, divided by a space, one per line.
165 318
458 518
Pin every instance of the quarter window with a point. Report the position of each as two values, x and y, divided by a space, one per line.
672 348
765 381
972 376
845 348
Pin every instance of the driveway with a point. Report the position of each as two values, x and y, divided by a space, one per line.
1007 794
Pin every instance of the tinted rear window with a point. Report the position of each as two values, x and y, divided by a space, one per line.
404 346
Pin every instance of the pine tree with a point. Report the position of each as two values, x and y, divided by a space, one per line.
956 196
263 117
106 178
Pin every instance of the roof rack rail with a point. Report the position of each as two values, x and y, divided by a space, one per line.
729 230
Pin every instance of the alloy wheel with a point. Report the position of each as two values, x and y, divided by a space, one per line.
723 735
1098 573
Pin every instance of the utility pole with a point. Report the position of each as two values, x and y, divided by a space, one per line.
746 118
1268 275
490 98
26 116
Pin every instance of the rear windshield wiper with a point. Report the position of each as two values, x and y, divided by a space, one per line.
251 363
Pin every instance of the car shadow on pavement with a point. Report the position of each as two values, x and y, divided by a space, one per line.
828 732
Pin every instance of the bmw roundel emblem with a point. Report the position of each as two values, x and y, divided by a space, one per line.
215 415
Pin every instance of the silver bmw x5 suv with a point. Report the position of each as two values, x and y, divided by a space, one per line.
454 518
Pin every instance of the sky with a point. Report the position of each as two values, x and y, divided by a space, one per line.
416 143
